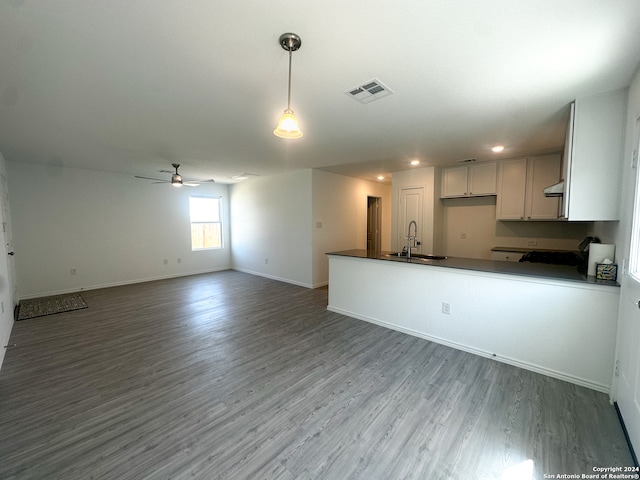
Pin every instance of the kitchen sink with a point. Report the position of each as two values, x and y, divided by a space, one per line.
421 256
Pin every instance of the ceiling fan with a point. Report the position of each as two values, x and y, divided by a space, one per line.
176 178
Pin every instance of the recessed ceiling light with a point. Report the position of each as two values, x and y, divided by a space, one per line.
380 177
415 162
497 149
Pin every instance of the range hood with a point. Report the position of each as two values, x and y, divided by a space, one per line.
555 190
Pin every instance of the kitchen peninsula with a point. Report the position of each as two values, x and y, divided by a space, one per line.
549 319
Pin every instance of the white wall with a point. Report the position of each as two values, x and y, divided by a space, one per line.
340 206
476 218
614 232
271 225
112 228
276 219
559 328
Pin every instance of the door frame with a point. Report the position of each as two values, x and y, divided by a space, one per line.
625 394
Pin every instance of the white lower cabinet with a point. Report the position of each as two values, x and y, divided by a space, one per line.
520 185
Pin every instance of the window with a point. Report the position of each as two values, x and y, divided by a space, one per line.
206 228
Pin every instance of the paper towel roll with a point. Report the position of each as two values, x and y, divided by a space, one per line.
597 253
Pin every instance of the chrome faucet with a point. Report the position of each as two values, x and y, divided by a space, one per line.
411 239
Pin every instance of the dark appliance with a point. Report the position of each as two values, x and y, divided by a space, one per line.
577 259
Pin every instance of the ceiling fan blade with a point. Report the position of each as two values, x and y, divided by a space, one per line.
191 184
198 181
149 178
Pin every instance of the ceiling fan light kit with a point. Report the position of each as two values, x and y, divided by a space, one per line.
176 178
288 124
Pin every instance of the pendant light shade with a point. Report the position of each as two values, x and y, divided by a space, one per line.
288 124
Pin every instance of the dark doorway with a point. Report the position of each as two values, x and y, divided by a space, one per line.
374 220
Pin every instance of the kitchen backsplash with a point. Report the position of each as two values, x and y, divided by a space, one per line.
470 229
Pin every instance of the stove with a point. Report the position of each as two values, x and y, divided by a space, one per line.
555 258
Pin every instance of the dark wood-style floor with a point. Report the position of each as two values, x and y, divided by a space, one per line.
229 375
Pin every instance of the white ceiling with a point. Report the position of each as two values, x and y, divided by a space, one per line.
132 86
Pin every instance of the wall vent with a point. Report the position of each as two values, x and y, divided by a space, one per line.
369 91
468 160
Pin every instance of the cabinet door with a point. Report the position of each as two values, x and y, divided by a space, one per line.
543 171
454 182
596 156
512 183
482 179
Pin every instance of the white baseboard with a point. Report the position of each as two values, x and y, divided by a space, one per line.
273 277
124 282
482 353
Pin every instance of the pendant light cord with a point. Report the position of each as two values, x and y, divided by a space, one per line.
289 90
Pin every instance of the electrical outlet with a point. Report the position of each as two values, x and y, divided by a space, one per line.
165 261
266 260
446 308
532 243
73 271
179 260
463 236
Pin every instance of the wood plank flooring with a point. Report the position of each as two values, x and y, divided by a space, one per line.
229 375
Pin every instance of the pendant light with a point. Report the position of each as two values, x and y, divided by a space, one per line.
288 124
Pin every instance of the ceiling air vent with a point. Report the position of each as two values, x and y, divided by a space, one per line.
370 91
468 160
244 176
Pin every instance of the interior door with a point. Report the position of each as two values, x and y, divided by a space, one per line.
628 350
411 201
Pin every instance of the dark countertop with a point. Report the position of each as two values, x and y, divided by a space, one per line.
527 269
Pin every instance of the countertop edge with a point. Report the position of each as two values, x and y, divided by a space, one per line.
521 269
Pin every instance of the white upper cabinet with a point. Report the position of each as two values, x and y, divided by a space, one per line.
469 180
520 185
593 157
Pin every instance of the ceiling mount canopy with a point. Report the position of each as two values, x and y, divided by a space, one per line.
288 123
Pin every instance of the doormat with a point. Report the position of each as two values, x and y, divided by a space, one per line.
40 307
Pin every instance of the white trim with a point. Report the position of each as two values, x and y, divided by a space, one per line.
125 282
164 277
273 277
